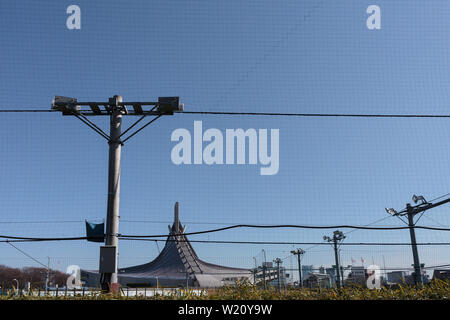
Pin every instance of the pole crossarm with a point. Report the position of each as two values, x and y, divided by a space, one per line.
115 109
164 106
72 107
419 208
142 128
134 124
91 125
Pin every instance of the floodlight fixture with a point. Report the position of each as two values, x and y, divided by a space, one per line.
298 251
338 235
71 106
114 108
419 198
66 105
169 105
391 211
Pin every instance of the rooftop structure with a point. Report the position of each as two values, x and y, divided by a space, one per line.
176 266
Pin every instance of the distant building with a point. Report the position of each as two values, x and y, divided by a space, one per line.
358 271
177 265
358 276
332 273
317 280
306 270
396 277
441 274
283 277
411 279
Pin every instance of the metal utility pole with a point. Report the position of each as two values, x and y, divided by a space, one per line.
264 269
410 212
278 261
412 233
115 108
264 275
47 276
112 213
338 237
299 252
255 272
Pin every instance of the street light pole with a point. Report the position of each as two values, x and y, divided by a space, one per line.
410 212
115 108
109 280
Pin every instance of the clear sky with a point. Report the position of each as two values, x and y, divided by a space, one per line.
267 56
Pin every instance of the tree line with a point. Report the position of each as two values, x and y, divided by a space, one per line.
35 276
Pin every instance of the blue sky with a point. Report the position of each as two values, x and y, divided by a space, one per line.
268 56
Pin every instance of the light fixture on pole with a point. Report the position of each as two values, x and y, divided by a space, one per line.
115 108
299 252
411 212
338 237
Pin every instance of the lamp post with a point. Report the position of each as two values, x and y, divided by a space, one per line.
337 238
114 108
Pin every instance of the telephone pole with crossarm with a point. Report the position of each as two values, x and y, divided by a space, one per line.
411 212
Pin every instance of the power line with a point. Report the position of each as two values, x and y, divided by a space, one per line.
26 254
25 110
187 222
292 242
447 194
18 239
228 228
369 224
43 239
349 115
42 222
136 221
435 221
289 226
